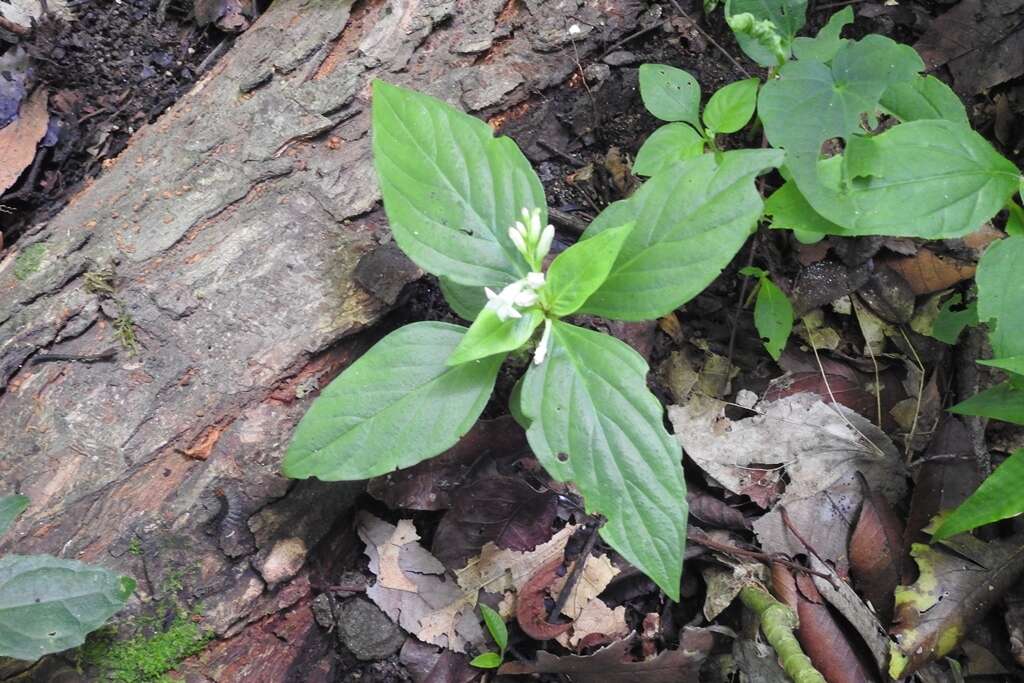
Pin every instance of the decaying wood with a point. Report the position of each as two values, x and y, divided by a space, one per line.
233 226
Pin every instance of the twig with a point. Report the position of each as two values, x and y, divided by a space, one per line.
558 153
707 36
631 36
109 354
743 297
577 571
567 221
766 558
920 394
793 530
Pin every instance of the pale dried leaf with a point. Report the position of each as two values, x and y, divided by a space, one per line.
725 583
496 570
391 574
597 573
596 621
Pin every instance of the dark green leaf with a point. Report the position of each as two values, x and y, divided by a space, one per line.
49 605
1001 295
10 507
578 271
773 317
924 97
451 189
950 323
489 335
670 94
488 660
515 405
1001 402
826 44
731 107
788 16
690 222
397 405
670 144
998 497
594 422
466 301
496 626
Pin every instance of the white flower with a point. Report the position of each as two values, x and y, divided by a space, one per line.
545 341
531 238
535 280
504 304
544 243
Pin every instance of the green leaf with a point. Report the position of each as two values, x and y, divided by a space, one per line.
670 94
49 605
489 335
731 107
400 403
690 222
496 626
578 271
466 301
1001 402
488 660
1001 295
950 323
1014 364
515 404
594 422
670 144
773 317
924 97
826 44
10 507
451 189
1015 220
789 210
788 17
998 497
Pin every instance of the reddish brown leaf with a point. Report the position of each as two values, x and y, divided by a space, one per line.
821 634
430 484
845 388
504 510
713 511
613 664
531 612
876 553
927 272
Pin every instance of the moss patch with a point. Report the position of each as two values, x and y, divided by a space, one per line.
145 659
29 260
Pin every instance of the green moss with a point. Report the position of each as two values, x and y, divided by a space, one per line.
29 260
145 659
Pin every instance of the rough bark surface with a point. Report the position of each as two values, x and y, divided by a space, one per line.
235 225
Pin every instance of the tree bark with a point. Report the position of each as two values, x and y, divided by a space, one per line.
235 225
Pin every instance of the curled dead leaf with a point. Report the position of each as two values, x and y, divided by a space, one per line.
19 138
531 612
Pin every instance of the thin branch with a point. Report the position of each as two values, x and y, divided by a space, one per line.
576 573
707 36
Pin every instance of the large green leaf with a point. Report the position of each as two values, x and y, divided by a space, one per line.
826 44
451 189
397 405
578 271
10 507
670 94
929 178
1002 402
924 97
670 144
1013 364
789 210
690 222
593 421
490 335
49 605
467 301
1001 295
788 16
998 497
731 107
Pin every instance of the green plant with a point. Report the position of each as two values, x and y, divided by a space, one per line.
468 207
145 659
48 604
496 627
773 314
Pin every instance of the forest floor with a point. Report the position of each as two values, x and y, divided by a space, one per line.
866 341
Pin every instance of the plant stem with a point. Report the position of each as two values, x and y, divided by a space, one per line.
778 623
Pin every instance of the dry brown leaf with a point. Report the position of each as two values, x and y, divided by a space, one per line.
19 138
613 665
927 272
876 553
531 612
597 573
391 575
496 570
438 611
597 624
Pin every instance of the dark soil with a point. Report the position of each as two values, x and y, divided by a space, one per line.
109 72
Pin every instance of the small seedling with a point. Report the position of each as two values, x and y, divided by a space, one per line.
499 632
